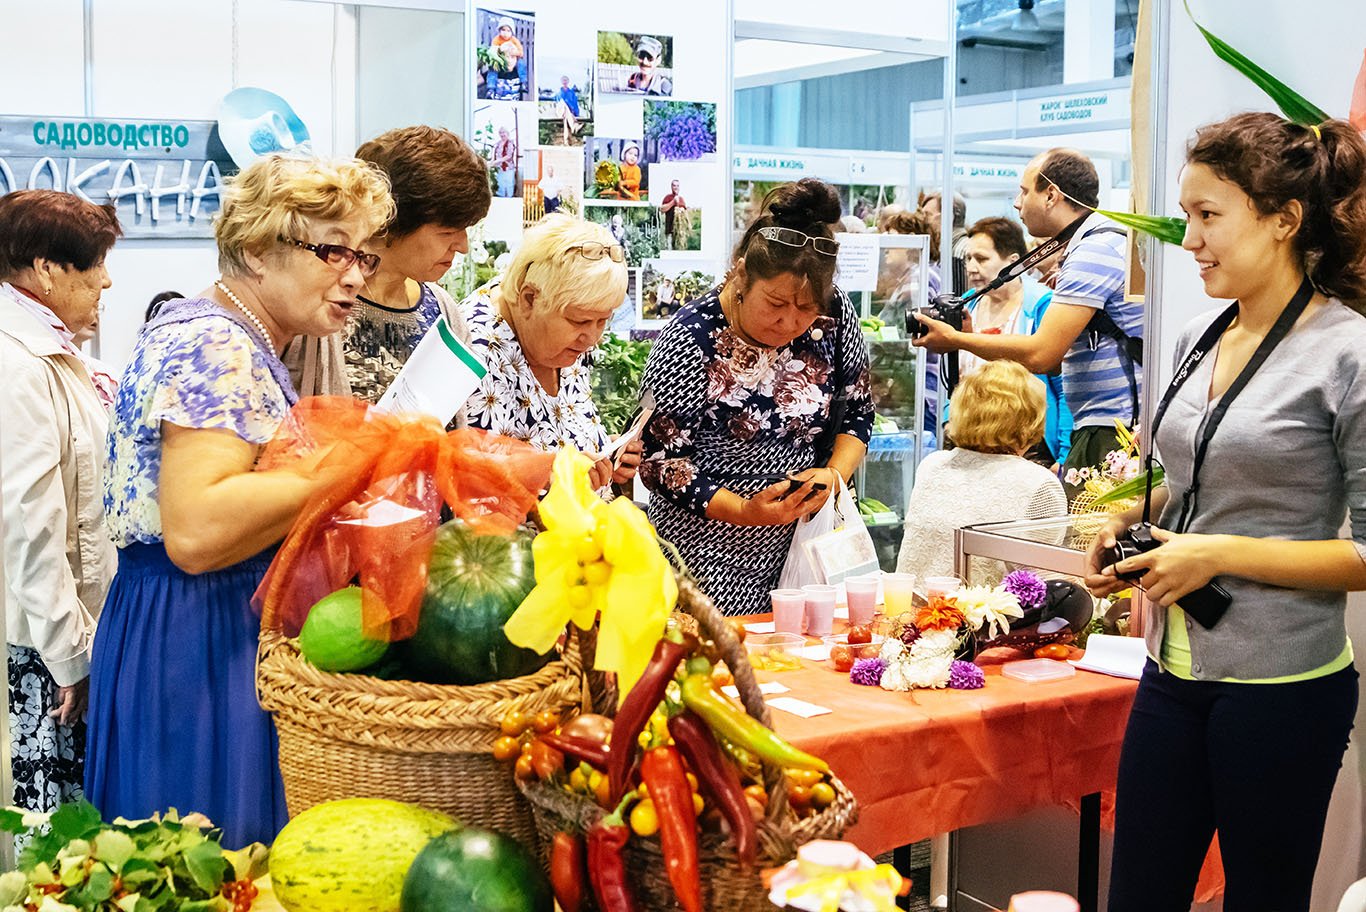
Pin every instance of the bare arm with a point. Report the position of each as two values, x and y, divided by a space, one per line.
1040 353
215 511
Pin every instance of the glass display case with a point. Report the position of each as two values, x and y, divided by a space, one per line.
1055 546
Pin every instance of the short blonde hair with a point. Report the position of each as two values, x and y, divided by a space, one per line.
280 196
999 408
560 276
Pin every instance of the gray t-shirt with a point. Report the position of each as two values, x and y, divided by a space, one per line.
1288 461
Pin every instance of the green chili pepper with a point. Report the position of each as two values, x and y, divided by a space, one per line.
732 723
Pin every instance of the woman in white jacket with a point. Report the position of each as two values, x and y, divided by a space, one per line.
58 556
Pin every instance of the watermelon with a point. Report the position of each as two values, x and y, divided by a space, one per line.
474 869
351 855
474 584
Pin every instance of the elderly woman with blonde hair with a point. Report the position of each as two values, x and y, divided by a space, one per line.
534 327
173 713
998 415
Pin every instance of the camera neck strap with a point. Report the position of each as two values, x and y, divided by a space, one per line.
1031 259
1279 330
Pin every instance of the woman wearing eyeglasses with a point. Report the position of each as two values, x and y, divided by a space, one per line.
762 381
173 713
534 326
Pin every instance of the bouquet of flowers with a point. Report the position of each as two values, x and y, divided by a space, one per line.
1112 487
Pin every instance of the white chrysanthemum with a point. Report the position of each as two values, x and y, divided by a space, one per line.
935 644
892 650
928 670
894 678
988 610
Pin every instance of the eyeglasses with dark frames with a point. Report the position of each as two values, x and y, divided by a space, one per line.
592 251
791 237
645 55
340 257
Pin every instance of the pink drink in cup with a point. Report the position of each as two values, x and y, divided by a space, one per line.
862 596
789 610
820 609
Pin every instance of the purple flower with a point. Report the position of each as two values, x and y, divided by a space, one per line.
1026 586
965 676
867 672
909 634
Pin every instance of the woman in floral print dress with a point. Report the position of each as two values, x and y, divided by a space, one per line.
744 379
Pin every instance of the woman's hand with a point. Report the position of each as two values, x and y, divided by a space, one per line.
817 475
1101 579
71 702
628 462
774 507
600 476
1181 565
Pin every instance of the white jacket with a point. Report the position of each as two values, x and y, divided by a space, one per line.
58 556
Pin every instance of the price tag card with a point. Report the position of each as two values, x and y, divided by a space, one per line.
760 627
798 707
767 687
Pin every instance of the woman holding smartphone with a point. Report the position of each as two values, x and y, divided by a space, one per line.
762 402
1240 727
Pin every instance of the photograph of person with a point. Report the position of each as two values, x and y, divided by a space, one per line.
564 100
504 45
505 135
639 229
682 221
667 285
635 64
613 170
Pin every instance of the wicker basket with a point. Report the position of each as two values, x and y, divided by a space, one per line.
353 736
725 887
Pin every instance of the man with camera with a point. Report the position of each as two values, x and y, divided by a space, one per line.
1089 331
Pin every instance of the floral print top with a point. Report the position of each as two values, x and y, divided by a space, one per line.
734 415
511 401
207 372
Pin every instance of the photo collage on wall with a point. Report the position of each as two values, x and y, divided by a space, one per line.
559 130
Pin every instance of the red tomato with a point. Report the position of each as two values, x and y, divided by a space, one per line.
859 634
1053 651
842 657
869 651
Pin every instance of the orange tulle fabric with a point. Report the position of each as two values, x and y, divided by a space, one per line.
375 520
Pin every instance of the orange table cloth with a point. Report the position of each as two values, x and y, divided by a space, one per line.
932 761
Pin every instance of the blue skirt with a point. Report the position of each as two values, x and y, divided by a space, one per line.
173 718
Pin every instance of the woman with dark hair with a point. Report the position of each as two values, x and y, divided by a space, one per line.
441 187
762 381
1241 721
58 558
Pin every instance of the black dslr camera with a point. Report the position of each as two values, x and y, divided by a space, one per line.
1206 604
944 308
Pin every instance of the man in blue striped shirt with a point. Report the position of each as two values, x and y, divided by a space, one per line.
1090 331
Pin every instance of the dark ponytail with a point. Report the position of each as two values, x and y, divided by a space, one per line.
809 206
1275 161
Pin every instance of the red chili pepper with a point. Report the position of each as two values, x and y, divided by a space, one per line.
606 867
667 780
636 709
594 753
568 871
719 778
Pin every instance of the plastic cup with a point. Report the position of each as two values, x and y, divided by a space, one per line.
898 593
941 585
861 592
820 609
789 610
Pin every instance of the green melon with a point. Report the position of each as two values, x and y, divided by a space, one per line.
331 637
472 870
474 584
351 855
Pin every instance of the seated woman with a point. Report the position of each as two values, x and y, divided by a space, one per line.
762 380
173 714
998 415
440 187
534 326
58 559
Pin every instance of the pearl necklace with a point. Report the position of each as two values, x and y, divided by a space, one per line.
247 312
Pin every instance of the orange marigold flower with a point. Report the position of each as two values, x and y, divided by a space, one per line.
940 614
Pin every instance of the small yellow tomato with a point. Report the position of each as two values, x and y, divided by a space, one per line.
803 777
697 804
644 819
822 794
506 748
546 721
514 723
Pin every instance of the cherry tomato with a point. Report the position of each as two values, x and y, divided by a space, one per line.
758 794
545 759
514 723
842 657
869 651
506 748
1053 651
822 794
805 778
525 769
721 676
799 796
546 721
644 819
859 634
741 631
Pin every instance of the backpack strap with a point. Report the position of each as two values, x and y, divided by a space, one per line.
1130 347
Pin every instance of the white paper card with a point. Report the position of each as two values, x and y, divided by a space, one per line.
761 627
441 374
768 687
819 653
798 707
1120 656
856 262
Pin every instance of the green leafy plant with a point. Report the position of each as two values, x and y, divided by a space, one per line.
618 364
1165 228
614 48
75 862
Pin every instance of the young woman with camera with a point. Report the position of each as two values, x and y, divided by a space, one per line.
1241 727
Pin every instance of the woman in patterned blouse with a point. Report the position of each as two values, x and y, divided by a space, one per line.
533 328
174 720
744 379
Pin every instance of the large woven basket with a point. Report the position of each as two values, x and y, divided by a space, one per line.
725 888
354 736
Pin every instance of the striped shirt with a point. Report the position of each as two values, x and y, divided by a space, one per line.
1094 377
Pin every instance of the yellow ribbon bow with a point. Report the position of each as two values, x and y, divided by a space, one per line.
879 885
595 560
